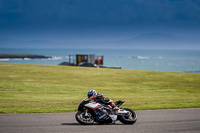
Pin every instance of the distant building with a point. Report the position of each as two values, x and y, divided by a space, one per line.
78 59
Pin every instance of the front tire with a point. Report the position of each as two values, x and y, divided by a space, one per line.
129 118
83 119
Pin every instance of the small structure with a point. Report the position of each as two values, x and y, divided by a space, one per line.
93 59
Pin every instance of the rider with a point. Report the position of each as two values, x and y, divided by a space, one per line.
97 97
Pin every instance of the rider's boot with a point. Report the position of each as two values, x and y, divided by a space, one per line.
115 110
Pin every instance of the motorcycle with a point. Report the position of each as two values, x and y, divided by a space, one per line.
90 112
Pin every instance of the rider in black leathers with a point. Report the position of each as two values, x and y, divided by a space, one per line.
97 97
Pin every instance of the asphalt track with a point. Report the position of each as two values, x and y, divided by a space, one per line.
151 121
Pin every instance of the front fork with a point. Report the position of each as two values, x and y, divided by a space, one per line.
86 111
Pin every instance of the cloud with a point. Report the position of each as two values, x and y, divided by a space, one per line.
101 11
88 21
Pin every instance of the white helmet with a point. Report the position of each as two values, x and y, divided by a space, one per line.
91 93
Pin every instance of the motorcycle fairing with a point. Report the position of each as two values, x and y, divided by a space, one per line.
92 105
122 111
113 117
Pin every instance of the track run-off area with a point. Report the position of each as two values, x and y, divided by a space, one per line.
149 121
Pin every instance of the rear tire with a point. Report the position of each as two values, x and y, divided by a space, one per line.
84 120
130 118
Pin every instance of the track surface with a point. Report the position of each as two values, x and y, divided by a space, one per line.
151 121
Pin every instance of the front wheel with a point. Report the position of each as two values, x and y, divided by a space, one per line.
84 119
129 118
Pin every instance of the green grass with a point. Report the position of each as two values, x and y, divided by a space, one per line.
26 88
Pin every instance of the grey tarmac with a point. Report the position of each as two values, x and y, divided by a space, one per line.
149 121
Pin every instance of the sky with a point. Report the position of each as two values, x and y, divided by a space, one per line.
127 24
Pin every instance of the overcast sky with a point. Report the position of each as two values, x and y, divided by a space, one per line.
150 24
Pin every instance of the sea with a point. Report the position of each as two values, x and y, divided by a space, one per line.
134 59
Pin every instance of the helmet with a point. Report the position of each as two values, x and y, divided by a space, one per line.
91 93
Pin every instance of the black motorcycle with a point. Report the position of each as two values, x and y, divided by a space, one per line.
90 112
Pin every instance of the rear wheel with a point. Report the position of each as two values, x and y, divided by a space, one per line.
129 118
84 119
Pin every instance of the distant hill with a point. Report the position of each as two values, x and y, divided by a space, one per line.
156 40
155 37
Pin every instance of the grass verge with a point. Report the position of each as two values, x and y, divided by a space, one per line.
26 88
